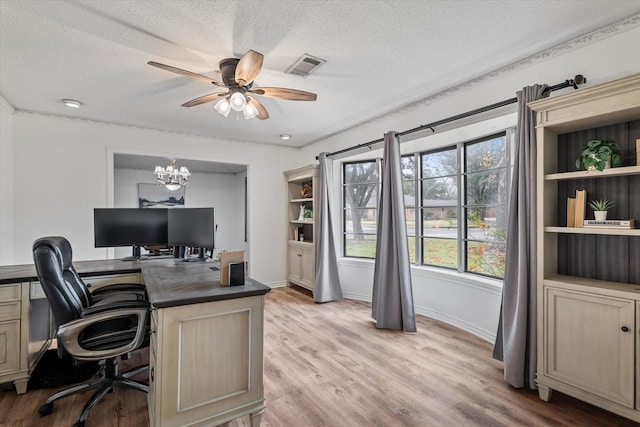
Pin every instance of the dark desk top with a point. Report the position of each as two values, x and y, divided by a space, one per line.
169 282
27 272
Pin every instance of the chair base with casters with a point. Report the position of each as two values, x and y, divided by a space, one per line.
105 381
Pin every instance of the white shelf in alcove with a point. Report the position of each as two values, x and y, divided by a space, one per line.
627 170
308 199
593 230
296 221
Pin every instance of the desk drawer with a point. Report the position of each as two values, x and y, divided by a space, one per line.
10 292
9 311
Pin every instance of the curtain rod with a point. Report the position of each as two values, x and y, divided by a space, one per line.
577 80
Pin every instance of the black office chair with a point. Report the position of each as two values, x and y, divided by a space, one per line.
133 291
104 331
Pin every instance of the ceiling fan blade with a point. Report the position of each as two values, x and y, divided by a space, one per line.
284 93
186 73
248 67
262 112
204 99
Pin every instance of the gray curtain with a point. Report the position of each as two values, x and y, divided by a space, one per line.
392 305
327 287
516 337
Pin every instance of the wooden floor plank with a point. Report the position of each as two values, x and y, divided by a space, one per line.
327 365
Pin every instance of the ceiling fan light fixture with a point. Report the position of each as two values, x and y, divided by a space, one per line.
223 106
238 101
250 111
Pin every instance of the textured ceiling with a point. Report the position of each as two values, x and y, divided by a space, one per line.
381 55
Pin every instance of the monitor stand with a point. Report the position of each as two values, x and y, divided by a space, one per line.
135 254
200 258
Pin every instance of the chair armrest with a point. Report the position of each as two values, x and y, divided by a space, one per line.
112 305
130 290
69 333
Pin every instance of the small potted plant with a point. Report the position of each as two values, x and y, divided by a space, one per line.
600 208
599 154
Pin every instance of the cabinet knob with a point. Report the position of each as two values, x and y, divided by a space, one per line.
625 329
152 374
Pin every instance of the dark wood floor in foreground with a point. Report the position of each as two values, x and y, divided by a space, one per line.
327 365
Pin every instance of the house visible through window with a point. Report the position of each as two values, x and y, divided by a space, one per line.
469 180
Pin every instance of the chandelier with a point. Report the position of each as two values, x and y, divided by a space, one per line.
172 177
236 101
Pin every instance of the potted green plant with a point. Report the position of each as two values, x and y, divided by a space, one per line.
600 208
599 154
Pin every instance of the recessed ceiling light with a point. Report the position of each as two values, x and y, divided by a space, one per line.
285 136
72 103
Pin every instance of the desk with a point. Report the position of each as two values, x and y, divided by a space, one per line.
25 323
206 350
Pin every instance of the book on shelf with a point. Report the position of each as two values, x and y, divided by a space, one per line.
637 152
610 223
581 207
571 211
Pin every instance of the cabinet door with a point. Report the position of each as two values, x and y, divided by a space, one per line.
9 345
589 341
308 265
295 265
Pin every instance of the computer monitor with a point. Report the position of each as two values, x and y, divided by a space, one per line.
116 227
192 227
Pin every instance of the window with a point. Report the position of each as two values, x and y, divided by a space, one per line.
467 181
439 207
360 192
485 205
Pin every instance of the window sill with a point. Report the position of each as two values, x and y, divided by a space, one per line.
424 271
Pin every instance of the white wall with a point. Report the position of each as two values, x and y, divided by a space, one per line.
63 168
464 300
6 181
224 192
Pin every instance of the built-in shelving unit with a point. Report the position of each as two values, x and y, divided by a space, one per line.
588 279
301 247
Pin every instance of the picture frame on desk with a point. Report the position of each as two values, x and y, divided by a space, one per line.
227 258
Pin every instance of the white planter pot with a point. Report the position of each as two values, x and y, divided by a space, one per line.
600 215
607 165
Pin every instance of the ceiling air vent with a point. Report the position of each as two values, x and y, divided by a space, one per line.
305 65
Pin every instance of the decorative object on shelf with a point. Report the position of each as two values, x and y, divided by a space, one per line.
571 211
599 154
627 224
600 208
581 207
172 177
308 213
301 216
306 191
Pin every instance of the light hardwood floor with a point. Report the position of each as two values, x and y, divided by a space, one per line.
327 365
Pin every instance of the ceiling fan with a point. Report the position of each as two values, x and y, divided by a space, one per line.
238 76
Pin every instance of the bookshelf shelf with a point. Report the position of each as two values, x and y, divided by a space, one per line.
623 171
594 230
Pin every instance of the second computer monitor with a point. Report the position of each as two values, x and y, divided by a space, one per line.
192 227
